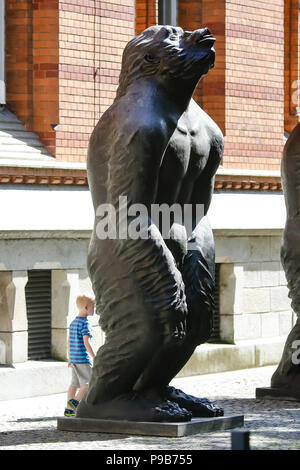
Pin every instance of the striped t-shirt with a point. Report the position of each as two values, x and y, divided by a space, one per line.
78 329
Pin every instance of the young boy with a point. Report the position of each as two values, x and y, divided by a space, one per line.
80 353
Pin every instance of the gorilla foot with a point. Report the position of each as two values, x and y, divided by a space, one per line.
199 407
175 412
134 408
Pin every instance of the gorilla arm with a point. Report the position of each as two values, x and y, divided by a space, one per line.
202 194
155 283
199 267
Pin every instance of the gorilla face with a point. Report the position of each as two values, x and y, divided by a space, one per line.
169 53
181 53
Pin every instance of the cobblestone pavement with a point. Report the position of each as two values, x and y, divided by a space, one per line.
275 425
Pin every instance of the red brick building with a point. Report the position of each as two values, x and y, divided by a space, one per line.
60 63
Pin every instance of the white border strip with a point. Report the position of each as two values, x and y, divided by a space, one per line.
9 162
245 172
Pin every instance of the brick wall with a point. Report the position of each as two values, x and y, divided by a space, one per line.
291 61
92 37
210 93
244 92
190 18
63 60
19 58
146 14
32 65
254 84
45 71
213 94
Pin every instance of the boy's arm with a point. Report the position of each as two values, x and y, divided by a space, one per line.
68 351
86 340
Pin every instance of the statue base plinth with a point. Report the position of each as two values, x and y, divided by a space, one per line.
272 393
195 426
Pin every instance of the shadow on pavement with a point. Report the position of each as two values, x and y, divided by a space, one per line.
273 424
51 435
28 420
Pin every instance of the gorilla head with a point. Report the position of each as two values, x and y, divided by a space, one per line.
169 53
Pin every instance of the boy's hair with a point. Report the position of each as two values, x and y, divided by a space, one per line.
83 300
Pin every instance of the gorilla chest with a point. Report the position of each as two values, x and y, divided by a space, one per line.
188 150
186 155
183 162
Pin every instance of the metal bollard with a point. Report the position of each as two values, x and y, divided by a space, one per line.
240 440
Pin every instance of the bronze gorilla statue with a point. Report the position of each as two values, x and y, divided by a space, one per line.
154 145
287 376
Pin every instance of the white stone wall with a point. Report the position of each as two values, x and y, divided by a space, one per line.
64 253
254 300
254 303
66 286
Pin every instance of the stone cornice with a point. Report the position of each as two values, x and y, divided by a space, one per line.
43 176
248 182
74 174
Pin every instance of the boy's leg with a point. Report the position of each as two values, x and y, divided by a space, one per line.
71 401
81 392
71 392
84 373
73 386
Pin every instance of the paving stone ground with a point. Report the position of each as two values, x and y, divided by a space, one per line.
30 424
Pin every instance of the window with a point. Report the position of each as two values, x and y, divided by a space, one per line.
2 52
215 336
38 305
167 12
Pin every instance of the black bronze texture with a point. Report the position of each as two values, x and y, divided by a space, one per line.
287 376
154 296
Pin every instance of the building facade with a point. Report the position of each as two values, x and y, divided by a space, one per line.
60 62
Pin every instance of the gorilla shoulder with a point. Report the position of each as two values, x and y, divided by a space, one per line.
140 124
197 115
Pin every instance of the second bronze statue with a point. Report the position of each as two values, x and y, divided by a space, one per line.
154 295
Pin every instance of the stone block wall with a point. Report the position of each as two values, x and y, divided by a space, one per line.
66 258
13 318
254 300
254 305
67 284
